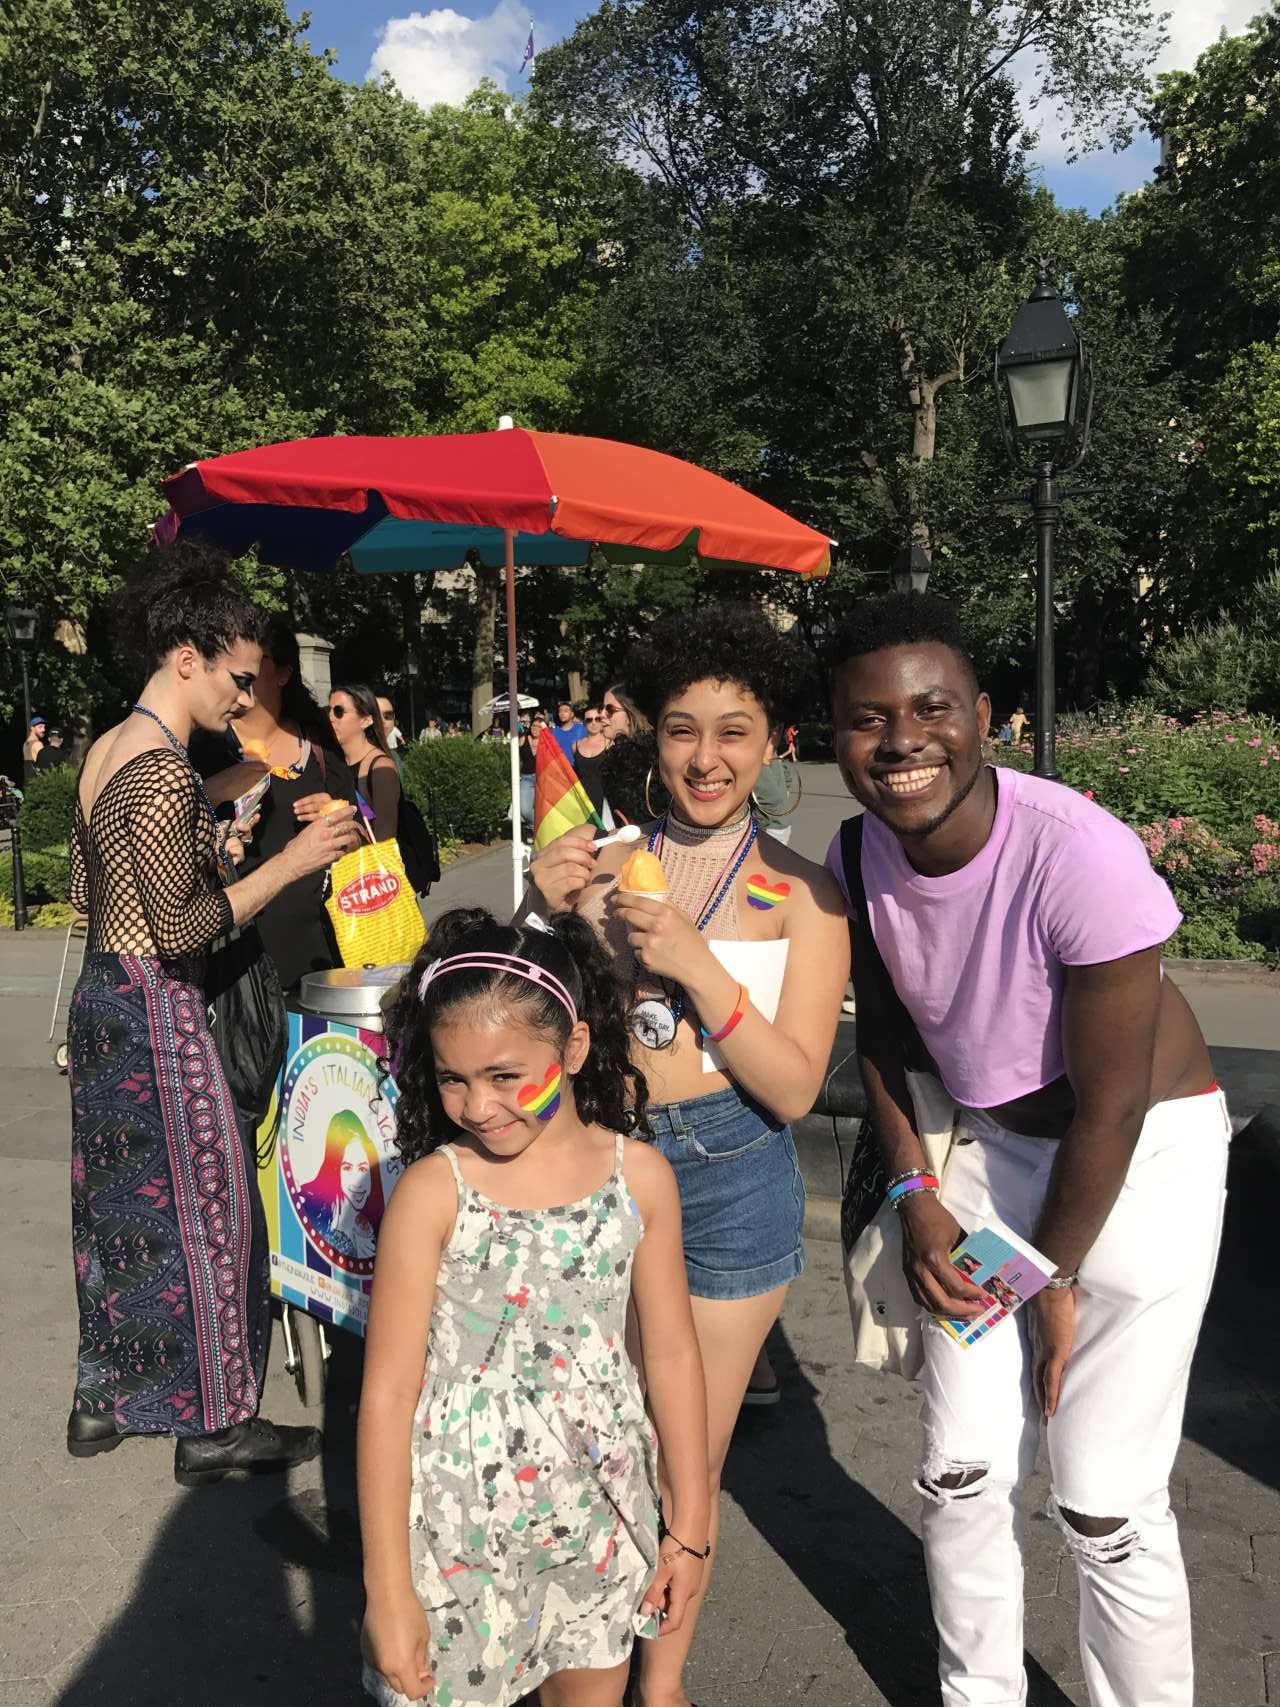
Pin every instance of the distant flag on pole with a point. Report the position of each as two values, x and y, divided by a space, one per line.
560 802
528 51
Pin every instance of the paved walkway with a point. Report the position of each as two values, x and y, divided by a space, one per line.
118 1588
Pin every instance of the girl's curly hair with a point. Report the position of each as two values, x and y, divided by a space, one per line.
721 643
608 1091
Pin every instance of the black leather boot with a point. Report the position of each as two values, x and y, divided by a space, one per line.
88 1435
250 1448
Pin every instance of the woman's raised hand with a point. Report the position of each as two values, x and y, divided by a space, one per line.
324 840
564 868
664 940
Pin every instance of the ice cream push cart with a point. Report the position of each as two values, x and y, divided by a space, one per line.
326 1179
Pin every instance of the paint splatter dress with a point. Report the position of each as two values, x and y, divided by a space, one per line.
533 1509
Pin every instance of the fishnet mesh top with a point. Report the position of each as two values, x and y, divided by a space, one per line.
693 860
143 866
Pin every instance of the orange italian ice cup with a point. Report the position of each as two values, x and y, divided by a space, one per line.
252 749
643 875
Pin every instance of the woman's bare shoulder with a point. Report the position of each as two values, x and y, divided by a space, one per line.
795 868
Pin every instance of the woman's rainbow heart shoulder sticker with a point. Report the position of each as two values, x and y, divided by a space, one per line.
542 1100
763 895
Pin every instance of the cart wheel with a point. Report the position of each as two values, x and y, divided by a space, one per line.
309 1366
60 1057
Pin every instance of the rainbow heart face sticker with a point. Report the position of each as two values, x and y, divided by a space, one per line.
542 1100
762 895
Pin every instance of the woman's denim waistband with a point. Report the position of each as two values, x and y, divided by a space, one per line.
678 1119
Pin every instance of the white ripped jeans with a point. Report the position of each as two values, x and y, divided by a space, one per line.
1140 1299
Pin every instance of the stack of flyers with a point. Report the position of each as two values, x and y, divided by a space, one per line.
1005 1267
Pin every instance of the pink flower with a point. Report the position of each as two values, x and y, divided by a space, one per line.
1255 742
1089 794
1124 768
1228 737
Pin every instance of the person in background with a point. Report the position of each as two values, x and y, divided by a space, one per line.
280 762
53 753
357 727
568 730
433 731
454 732
387 716
1018 723
789 749
168 1230
621 714
587 754
32 747
632 784
497 731
529 765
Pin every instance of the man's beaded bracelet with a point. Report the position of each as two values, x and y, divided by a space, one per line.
898 1193
911 1173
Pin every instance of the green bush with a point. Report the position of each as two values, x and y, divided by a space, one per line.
1225 666
46 808
469 780
45 876
1203 797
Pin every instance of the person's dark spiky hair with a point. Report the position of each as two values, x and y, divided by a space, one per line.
899 619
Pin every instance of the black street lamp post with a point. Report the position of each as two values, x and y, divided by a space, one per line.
1044 392
22 631
411 667
911 570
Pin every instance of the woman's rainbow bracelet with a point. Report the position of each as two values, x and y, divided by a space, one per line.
740 1008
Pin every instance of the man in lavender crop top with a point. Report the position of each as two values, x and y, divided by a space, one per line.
1007 935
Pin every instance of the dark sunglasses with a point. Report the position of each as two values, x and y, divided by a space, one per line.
337 711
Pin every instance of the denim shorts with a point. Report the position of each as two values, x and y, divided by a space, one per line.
741 1194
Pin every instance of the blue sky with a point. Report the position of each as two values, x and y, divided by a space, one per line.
440 52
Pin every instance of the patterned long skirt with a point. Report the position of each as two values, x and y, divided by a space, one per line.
167 1226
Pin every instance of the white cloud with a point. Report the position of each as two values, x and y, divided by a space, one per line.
1194 24
442 55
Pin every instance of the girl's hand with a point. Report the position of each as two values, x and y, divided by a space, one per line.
393 1639
564 868
1053 1333
929 1235
664 940
674 1585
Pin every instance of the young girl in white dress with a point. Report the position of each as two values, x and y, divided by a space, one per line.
512 1531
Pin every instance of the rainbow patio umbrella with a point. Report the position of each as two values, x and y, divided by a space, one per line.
517 498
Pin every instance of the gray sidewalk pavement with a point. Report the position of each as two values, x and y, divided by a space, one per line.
117 1587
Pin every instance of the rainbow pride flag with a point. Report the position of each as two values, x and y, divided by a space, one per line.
560 802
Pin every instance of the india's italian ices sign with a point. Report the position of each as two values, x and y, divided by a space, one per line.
335 1166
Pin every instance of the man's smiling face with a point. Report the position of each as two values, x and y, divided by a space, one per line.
909 727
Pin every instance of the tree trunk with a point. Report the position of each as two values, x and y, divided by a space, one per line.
488 591
577 688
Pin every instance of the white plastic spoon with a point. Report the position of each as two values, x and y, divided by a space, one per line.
626 833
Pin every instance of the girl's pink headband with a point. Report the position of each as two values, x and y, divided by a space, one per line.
494 962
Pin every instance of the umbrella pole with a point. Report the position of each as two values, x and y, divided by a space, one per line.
513 725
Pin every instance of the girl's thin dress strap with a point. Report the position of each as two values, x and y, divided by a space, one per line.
619 1142
447 1151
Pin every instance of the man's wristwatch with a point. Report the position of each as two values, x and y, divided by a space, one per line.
1062 1282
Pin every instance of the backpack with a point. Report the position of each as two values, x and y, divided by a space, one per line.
418 847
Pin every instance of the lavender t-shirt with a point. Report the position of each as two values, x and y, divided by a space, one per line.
977 957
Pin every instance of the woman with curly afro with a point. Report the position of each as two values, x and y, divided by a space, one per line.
736 969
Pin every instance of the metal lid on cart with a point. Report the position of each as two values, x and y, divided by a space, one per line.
351 993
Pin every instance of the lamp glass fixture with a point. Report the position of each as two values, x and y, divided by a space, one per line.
22 624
